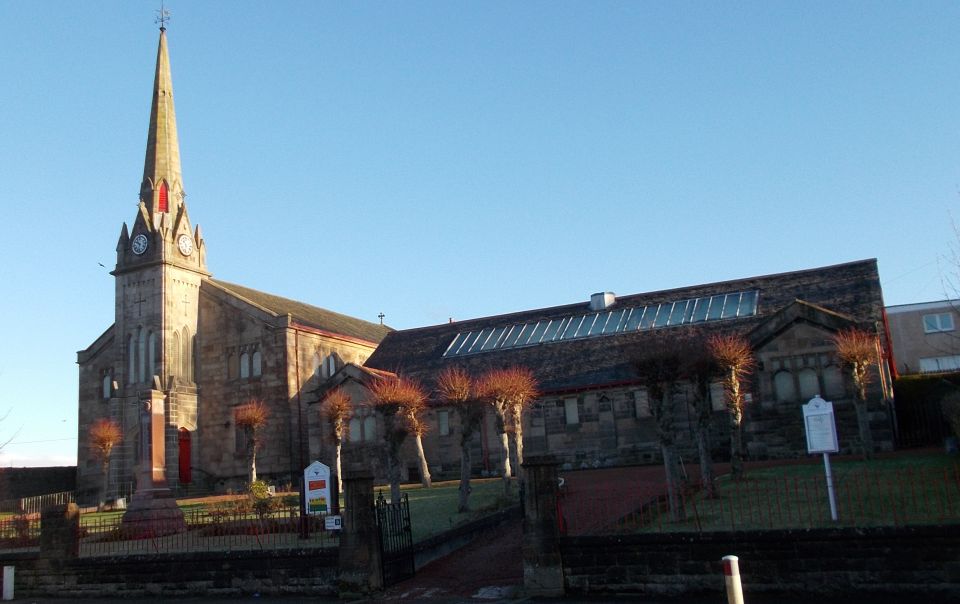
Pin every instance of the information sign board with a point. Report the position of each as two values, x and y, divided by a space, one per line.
316 488
333 523
820 426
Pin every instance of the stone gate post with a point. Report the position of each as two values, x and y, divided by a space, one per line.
360 562
60 531
542 566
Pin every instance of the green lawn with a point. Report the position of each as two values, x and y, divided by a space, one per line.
890 491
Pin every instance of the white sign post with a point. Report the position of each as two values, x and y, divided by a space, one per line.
821 431
316 489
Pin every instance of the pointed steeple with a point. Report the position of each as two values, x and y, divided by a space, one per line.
162 190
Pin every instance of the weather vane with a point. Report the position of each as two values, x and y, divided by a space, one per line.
163 15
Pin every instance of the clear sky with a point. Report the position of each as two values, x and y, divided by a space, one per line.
446 159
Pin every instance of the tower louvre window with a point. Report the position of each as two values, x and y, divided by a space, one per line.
163 197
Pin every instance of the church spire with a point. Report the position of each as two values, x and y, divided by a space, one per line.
162 190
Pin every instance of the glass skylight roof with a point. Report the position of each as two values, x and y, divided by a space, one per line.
606 322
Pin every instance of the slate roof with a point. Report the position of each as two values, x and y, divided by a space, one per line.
847 292
311 316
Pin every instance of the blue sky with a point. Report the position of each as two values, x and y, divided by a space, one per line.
431 160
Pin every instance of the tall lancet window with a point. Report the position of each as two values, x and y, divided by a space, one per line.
131 360
163 196
174 363
142 353
152 354
256 363
244 365
187 358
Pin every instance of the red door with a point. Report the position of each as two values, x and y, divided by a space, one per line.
185 475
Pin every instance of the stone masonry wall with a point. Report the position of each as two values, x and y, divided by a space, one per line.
915 561
301 572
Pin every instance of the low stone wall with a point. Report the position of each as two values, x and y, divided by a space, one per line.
302 572
917 562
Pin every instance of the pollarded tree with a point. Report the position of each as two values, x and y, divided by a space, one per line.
510 391
659 367
104 435
395 397
418 427
857 350
456 388
337 410
734 356
251 417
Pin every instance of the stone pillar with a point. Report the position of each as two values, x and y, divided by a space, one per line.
60 532
360 562
542 566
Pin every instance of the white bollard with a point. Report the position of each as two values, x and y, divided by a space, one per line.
7 582
731 574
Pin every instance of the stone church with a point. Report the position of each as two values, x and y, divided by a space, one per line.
197 346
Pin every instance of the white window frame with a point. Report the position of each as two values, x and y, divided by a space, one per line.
938 364
938 322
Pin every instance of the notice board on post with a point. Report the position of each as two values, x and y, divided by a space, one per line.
820 426
316 488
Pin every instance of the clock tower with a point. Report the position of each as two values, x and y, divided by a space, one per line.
161 262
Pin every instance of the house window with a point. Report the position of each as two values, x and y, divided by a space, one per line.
718 397
106 385
571 411
369 428
833 382
363 429
329 365
186 357
938 322
641 404
443 421
131 360
809 384
175 351
152 354
936 364
142 353
783 386
257 368
244 365
355 430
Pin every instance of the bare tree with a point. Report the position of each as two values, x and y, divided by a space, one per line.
509 391
104 435
337 410
857 350
251 417
659 367
456 388
395 397
733 354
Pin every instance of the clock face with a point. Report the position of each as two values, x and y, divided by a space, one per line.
185 243
139 244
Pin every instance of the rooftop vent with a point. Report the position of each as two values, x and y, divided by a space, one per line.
602 300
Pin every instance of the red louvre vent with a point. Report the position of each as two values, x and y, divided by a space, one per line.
163 197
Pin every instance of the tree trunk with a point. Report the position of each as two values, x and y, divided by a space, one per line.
736 444
863 425
422 460
706 462
674 497
518 439
504 450
106 484
253 465
463 504
338 445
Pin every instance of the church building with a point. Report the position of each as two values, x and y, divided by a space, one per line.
200 347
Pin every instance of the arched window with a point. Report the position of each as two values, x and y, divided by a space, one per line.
833 382
255 361
186 359
783 386
809 384
355 430
329 365
107 383
131 360
369 428
174 363
142 353
244 365
152 354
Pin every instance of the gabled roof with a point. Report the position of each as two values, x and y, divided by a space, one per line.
350 371
850 290
312 316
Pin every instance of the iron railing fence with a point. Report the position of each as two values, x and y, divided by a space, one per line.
901 497
33 505
202 530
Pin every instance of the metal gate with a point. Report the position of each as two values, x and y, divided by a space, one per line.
396 540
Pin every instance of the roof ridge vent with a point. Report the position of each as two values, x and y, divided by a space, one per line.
602 300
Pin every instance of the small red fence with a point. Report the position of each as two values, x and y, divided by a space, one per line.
864 498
